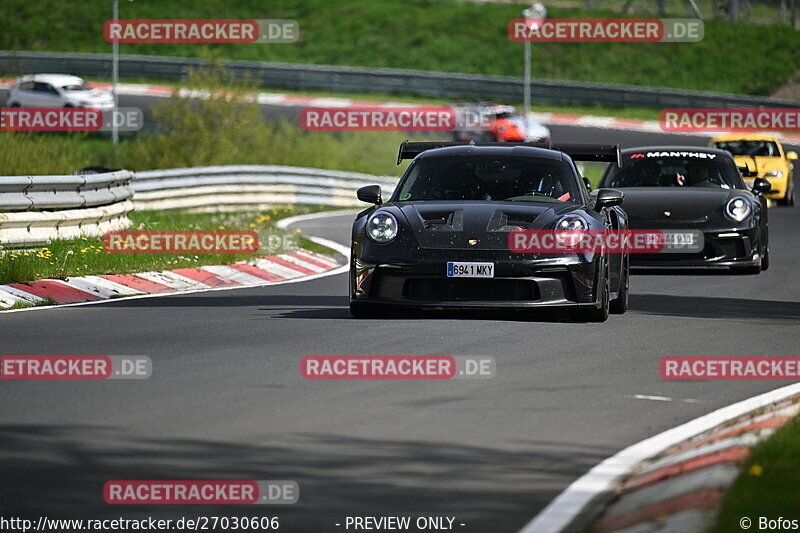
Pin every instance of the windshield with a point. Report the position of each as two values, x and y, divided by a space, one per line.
750 148
489 178
674 172
75 87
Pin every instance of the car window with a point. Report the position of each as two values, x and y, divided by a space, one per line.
25 86
490 178
674 172
42 87
75 87
750 148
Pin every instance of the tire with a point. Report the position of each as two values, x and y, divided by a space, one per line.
15 104
765 260
619 305
595 314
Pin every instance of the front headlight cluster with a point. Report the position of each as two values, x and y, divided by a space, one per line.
382 227
738 208
571 222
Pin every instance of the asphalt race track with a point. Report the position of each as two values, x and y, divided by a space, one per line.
226 399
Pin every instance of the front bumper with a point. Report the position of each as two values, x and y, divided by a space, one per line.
565 281
735 248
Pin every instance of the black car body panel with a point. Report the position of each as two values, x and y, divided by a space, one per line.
410 271
727 243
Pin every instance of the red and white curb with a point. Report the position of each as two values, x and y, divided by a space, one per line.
687 483
299 265
293 100
676 479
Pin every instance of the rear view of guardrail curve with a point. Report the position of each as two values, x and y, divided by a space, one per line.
384 81
35 210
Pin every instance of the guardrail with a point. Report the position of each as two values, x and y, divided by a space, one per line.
384 81
35 210
249 187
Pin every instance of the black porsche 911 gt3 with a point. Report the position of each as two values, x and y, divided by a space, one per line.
672 187
442 239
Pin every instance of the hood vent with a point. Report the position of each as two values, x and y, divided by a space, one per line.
450 220
510 221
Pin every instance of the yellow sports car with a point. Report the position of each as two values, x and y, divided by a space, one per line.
763 154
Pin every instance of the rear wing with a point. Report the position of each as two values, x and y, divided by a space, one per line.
579 152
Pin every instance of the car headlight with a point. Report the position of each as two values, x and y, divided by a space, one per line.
382 227
774 174
738 208
571 222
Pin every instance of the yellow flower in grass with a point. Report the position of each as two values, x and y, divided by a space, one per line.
756 470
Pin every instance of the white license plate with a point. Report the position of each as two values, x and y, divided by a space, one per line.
456 269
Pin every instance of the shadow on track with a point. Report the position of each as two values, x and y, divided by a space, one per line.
59 471
539 315
713 307
688 272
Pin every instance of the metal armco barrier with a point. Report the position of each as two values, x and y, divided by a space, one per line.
35 210
249 187
38 209
385 81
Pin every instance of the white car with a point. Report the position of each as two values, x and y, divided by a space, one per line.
57 90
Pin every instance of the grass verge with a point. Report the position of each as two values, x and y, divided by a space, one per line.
86 256
769 484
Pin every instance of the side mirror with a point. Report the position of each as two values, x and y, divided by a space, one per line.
791 155
608 198
587 183
761 186
747 173
370 194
